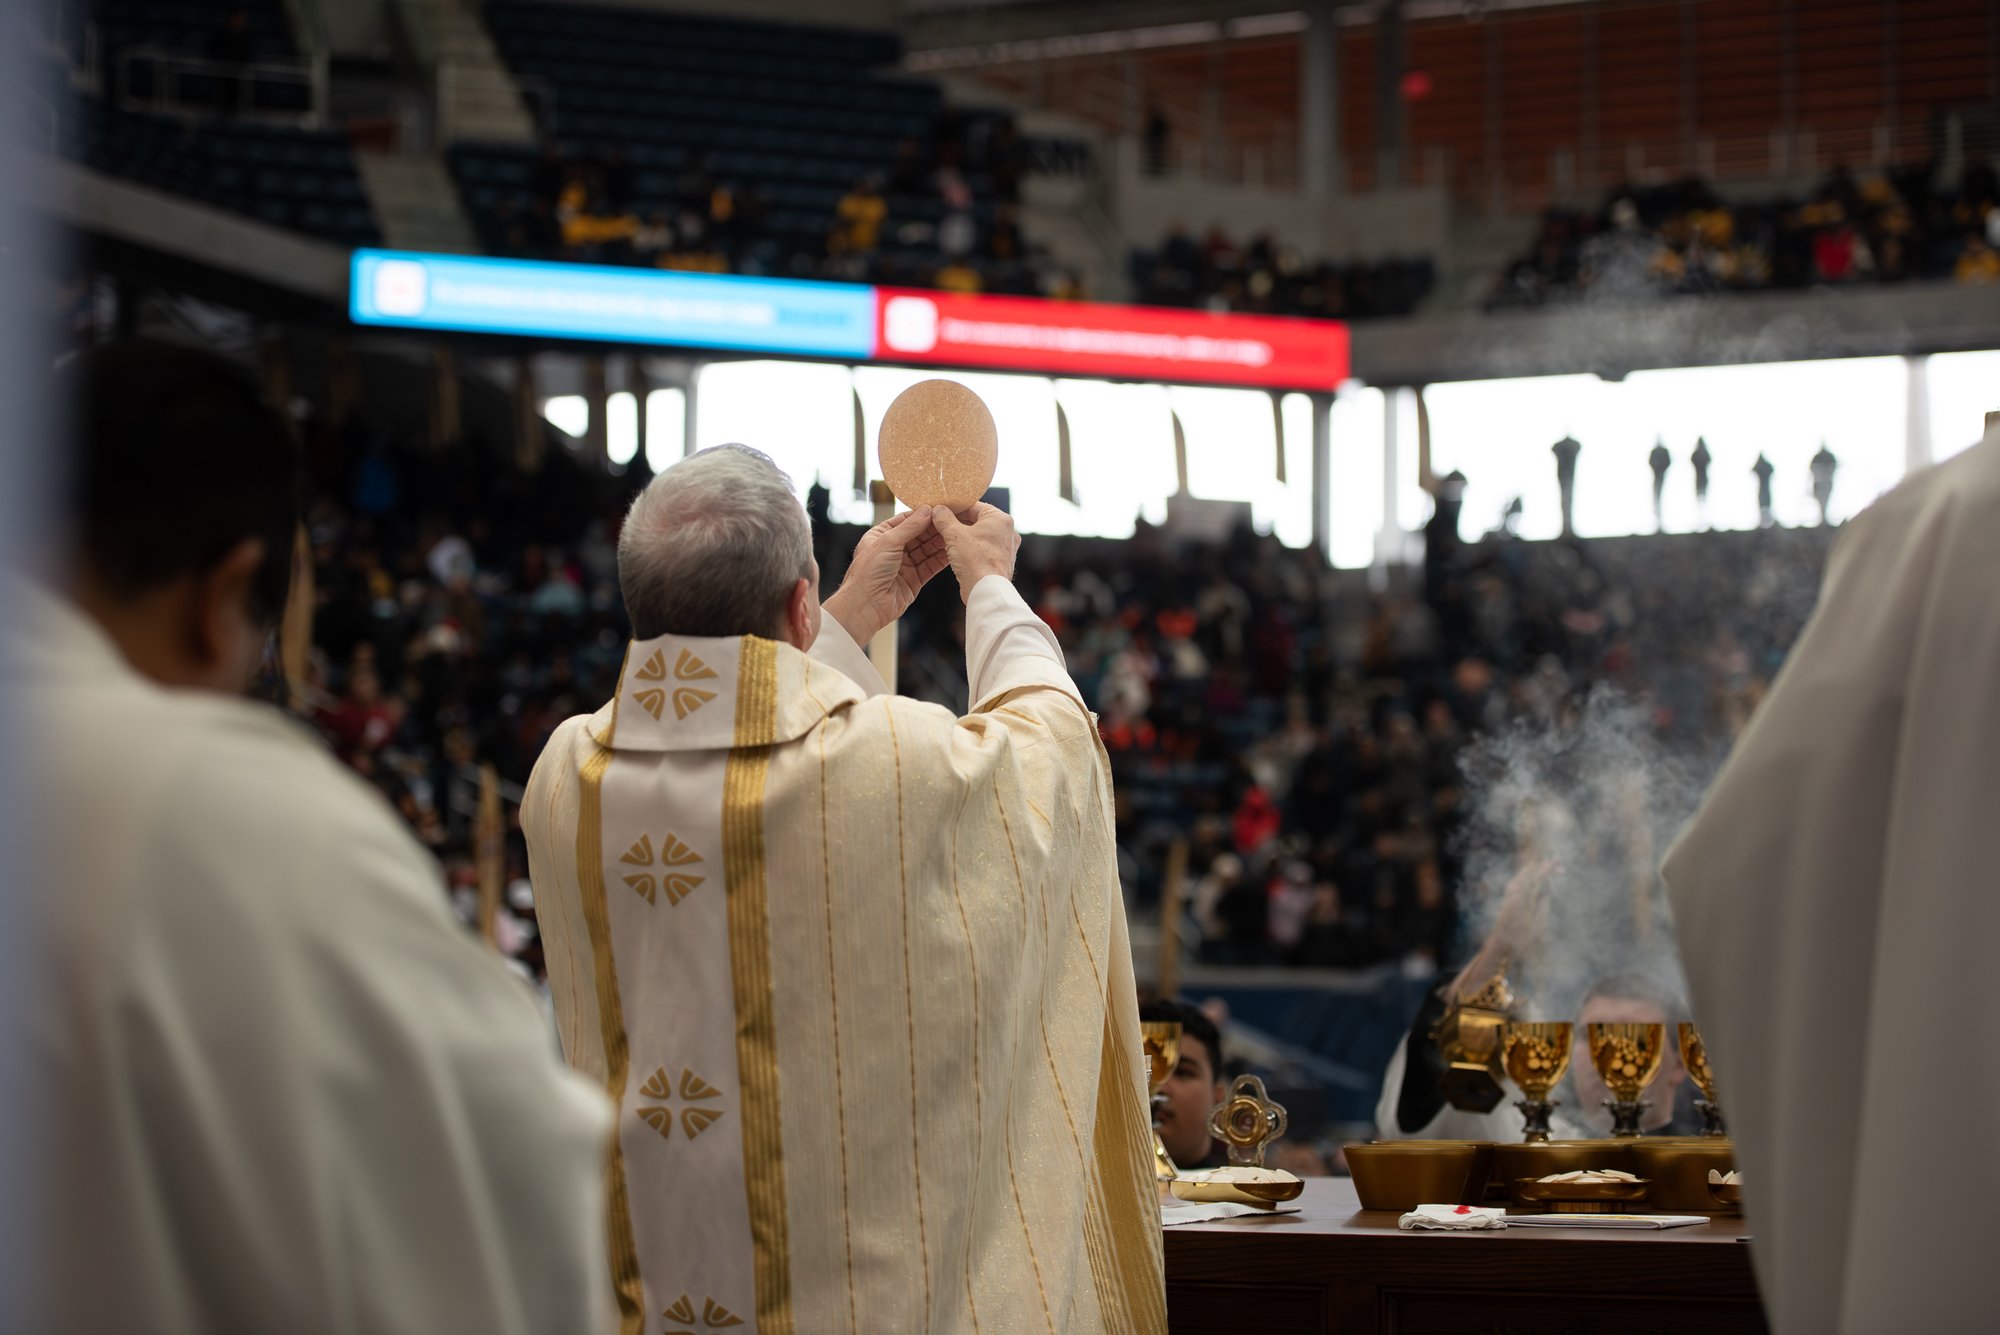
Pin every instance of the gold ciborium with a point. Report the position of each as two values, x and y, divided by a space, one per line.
1468 1038
1247 1121
1536 1056
1694 1056
1163 1053
1627 1057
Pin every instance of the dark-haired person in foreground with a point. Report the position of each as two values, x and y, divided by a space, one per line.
283 1091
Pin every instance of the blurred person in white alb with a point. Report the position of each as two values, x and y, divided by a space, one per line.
283 1090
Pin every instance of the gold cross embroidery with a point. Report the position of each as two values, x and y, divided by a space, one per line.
687 699
694 1121
673 853
714 1316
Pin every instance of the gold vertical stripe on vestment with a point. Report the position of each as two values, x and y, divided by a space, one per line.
750 970
833 983
624 1250
1124 1169
910 1010
978 1081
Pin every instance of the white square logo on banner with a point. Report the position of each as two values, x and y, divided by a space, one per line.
401 287
909 324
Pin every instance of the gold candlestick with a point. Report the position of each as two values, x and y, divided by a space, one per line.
1694 1056
1163 1053
1536 1056
1627 1057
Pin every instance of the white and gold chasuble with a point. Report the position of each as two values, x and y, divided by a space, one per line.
856 973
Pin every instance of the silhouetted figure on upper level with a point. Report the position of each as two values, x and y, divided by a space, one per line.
1566 451
1659 461
1824 464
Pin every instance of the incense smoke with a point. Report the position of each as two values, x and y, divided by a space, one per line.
1591 795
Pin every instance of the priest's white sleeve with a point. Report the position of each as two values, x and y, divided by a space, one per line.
1008 647
837 649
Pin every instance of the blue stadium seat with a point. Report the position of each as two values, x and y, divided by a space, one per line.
304 180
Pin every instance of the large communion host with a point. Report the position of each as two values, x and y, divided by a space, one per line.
855 970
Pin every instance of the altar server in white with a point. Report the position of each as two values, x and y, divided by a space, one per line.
1838 901
281 1089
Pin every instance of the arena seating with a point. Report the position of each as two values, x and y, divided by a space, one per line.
794 115
302 180
194 26
216 55
1266 277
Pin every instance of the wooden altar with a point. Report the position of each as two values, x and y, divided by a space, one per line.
1334 1267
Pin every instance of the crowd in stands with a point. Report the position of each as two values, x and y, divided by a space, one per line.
1306 736
462 612
1302 733
1684 238
943 213
1268 278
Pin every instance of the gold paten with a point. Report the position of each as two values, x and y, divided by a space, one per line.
1203 1186
1539 1159
1580 1197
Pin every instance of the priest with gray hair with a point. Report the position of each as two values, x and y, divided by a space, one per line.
853 969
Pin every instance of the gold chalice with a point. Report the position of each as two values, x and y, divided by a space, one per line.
1694 1056
1163 1053
1627 1057
1536 1056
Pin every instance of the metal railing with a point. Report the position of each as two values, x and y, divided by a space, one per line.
165 82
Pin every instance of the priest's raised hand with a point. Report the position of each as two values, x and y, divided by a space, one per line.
979 543
892 563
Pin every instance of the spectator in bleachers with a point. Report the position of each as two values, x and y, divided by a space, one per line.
1683 238
858 220
1979 262
1270 278
956 231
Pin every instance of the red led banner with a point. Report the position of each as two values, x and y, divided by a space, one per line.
1095 339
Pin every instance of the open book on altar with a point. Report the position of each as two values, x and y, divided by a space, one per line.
1605 1220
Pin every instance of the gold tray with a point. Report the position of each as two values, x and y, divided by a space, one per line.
1264 1195
1579 1197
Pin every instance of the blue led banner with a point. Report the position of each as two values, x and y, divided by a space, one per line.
587 301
